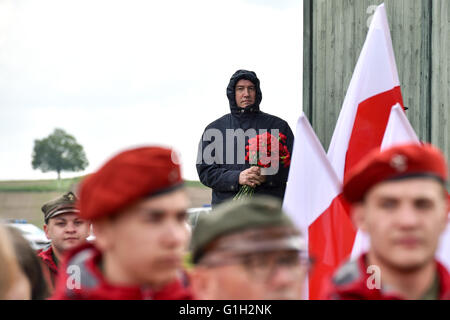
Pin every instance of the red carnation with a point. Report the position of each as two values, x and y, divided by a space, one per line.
259 153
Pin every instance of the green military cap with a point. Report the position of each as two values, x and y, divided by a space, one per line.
242 226
63 204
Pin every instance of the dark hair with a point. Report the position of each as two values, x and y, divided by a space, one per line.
29 263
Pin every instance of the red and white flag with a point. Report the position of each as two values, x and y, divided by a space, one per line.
311 191
373 91
398 131
312 197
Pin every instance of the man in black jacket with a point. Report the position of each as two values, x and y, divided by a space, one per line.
221 163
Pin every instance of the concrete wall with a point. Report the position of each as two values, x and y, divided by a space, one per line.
334 33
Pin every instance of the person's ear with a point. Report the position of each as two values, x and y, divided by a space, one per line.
46 231
104 233
358 217
202 283
448 205
448 209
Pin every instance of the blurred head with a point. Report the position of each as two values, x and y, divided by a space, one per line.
248 250
404 220
145 243
14 285
29 265
138 207
399 199
254 275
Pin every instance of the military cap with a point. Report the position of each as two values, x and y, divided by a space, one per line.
127 177
398 162
251 225
63 204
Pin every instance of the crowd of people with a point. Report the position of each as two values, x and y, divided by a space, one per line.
136 204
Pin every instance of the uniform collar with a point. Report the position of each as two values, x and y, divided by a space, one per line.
351 280
95 286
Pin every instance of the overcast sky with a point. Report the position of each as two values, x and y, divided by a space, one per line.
117 74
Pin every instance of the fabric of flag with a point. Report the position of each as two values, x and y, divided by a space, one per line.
398 131
312 189
373 90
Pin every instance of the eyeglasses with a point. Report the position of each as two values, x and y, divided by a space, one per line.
262 266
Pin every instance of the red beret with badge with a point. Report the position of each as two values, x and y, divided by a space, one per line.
127 177
402 161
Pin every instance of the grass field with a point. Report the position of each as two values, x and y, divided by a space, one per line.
55 185
24 199
38 185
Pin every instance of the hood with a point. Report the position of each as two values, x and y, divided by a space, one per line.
247 75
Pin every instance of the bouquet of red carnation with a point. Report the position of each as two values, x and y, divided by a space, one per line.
259 153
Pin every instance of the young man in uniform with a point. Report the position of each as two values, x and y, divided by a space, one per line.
399 199
138 209
65 229
248 250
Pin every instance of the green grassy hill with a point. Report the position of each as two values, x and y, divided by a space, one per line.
38 185
24 199
54 185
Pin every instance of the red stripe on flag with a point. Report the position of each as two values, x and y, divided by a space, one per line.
370 124
332 235
331 238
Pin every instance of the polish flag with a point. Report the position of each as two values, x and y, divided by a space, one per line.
398 131
312 190
372 92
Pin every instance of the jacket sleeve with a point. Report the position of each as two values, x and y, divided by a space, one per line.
279 179
212 174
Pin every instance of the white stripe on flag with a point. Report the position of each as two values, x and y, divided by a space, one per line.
312 184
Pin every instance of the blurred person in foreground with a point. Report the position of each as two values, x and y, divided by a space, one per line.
30 265
65 229
399 199
14 284
248 250
137 204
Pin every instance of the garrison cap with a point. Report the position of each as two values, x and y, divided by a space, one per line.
63 204
398 162
254 214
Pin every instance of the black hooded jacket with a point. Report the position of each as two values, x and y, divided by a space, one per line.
222 176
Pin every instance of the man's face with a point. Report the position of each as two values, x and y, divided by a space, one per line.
404 220
276 275
67 231
148 240
245 93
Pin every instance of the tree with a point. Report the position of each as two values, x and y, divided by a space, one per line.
59 152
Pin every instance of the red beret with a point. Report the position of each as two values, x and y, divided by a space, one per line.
126 178
401 161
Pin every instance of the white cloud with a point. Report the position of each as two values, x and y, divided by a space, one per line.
121 73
